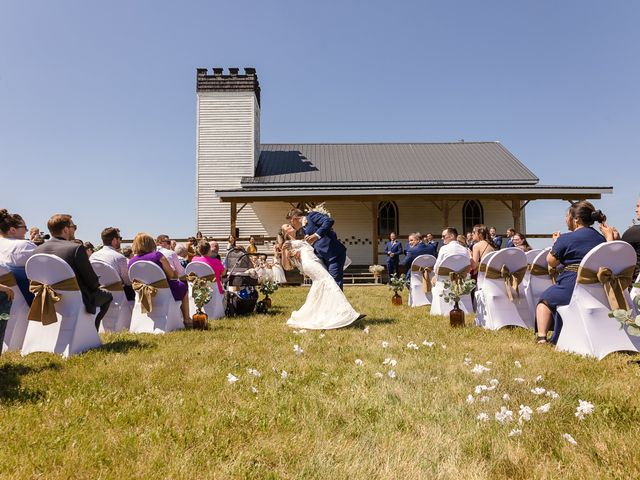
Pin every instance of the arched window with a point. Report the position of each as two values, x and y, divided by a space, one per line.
472 214
387 218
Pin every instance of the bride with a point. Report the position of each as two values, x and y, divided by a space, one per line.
326 306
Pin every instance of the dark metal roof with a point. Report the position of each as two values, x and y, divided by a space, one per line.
388 164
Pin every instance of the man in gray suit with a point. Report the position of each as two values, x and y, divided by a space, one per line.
61 245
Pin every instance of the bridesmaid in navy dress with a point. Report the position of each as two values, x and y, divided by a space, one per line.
568 249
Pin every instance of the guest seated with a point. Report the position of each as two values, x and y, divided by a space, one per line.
127 252
497 240
36 237
183 254
429 240
205 255
568 249
416 248
450 247
631 236
62 245
88 246
164 243
470 240
144 248
15 250
215 249
482 244
520 241
462 240
232 243
109 254
510 233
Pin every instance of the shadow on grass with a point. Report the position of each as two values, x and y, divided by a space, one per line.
11 390
126 344
361 324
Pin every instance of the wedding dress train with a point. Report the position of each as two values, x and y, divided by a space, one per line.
326 307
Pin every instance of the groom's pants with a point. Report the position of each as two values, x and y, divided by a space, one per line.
335 267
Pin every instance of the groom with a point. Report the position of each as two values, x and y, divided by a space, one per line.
318 232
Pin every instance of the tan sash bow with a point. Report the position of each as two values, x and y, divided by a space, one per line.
46 296
454 276
192 277
614 285
512 280
114 287
8 280
147 292
426 276
482 268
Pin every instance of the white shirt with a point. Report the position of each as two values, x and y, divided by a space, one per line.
451 248
116 260
14 252
173 259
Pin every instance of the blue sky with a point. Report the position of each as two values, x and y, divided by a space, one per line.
97 99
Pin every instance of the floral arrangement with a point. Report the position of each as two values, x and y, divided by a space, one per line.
397 284
455 290
376 269
625 317
268 287
201 291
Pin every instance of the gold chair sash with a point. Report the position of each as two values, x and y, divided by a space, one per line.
46 296
540 271
426 276
614 285
8 280
512 280
114 287
454 276
147 292
192 277
482 268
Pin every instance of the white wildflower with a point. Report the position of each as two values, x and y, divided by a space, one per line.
378 375
552 394
231 378
504 415
385 344
484 399
519 380
444 346
539 378
492 387
390 361
517 364
297 349
524 413
253 372
569 439
391 374
516 432
480 389
506 397
482 417
584 408
467 360
366 330
538 391
494 382
322 335
489 362
412 346
543 408
283 374
470 399
478 369
359 362
428 344
254 390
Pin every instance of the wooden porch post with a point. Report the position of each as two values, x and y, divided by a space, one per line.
515 211
374 233
234 218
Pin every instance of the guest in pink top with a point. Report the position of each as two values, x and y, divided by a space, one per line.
205 256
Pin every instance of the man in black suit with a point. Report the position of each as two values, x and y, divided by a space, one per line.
62 245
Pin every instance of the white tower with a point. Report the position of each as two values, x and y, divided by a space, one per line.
227 144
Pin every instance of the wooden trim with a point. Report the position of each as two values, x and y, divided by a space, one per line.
374 232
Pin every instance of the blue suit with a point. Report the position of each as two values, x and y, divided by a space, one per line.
414 252
327 248
509 242
393 262
497 241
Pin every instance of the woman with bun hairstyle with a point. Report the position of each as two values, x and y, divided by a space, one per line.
568 249
15 250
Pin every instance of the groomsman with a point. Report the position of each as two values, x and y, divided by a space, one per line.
393 250
428 240
497 239
415 249
510 233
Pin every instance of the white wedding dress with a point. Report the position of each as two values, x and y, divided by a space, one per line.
326 307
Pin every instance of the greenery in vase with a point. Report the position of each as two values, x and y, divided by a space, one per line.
397 284
455 290
625 317
268 287
376 269
201 291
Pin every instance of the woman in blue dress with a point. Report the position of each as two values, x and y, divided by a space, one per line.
568 250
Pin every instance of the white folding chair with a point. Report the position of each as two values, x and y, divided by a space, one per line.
118 316
165 315
17 323
75 330
539 281
587 328
505 305
531 255
481 311
421 271
215 308
456 263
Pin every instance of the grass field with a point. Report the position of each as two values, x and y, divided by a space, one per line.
161 406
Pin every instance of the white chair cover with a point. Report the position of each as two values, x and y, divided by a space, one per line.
118 316
75 330
587 328
481 311
531 255
17 323
501 311
438 305
165 316
537 284
417 296
215 308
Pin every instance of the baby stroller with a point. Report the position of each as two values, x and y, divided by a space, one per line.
241 293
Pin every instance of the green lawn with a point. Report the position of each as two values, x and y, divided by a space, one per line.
161 407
